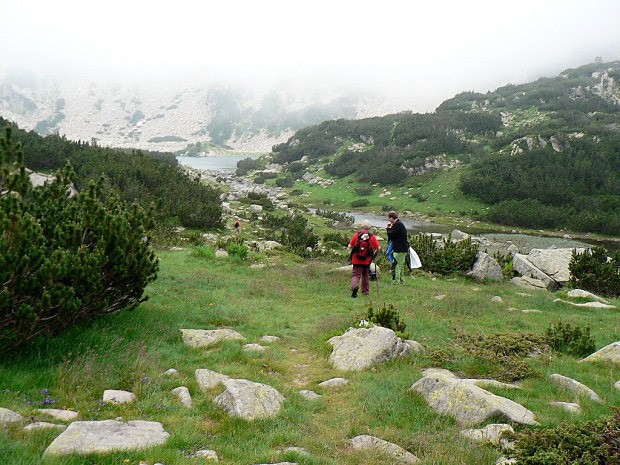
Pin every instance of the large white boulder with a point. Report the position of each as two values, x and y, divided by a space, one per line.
610 353
361 348
9 416
553 262
486 268
249 400
401 455
202 338
574 386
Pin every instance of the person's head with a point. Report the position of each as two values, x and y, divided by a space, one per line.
366 225
392 216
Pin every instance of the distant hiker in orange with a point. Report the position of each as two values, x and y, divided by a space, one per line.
238 226
364 246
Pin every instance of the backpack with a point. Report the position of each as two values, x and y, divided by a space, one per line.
362 249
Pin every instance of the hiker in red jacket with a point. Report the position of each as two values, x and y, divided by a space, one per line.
364 246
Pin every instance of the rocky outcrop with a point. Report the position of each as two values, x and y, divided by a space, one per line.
468 403
361 348
98 437
202 338
397 453
249 400
608 354
527 269
554 262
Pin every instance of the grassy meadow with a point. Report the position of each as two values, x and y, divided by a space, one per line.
304 303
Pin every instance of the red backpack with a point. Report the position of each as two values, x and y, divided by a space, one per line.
362 249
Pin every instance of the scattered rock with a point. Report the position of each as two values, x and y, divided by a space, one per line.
209 455
310 395
9 416
490 433
267 245
171 372
580 293
365 441
609 354
497 299
221 253
269 338
586 304
334 382
439 296
184 396
255 208
361 348
415 346
254 348
468 403
528 283
568 406
58 414
249 400
96 437
297 450
486 268
574 386
208 379
617 385
530 310
201 338
38 425
115 396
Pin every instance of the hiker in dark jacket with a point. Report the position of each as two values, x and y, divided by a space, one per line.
364 246
397 234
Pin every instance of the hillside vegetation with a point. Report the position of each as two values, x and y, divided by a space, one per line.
541 154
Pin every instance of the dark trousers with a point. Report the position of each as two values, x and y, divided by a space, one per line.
363 272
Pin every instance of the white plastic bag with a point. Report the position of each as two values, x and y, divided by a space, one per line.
414 260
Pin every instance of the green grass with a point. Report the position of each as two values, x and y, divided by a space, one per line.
303 303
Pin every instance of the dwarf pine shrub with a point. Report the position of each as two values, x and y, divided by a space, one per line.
593 271
445 258
64 259
387 317
569 339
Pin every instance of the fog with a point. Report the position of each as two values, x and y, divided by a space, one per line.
420 52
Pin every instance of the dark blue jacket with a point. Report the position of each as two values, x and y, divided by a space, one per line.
398 235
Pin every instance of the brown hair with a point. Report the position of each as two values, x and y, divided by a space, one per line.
392 214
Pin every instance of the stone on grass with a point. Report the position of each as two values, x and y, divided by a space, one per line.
184 396
267 338
98 437
486 268
497 299
401 455
171 372
361 348
334 382
115 396
58 414
468 403
9 416
617 385
209 455
310 395
415 346
528 283
209 379
295 449
554 262
505 461
490 433
221 253
254 348
201 338
38 425
574 386
527 269
586 304
580 293
249 400
568 406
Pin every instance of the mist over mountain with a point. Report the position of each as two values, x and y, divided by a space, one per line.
171 118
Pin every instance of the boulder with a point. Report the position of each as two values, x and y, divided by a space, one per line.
309 395
9 416
58 414
468 403
553 262
38 425
249 400
221 253
399 454
334 382
268 338
255 208
525 268
490 433
115 396
610 354
254 348
580 293
361 348
457 235
98 437
568 406
171 372
528 283
267 245
208 379
574 386
586 304
201 338
184 396
486 268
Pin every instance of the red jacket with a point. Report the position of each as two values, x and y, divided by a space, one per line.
374 244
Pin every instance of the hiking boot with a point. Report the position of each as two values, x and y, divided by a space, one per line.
354 293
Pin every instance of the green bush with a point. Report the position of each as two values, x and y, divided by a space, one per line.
291 231
339 238
451 257
236 249
505 262
592 271
360 203
246 165
363 190
202 251
65 260
285 182
569 339
387 317
590 443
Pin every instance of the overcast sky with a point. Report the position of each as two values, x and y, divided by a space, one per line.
425 51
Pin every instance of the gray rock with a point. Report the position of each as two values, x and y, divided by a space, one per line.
267 245
528 283
586 304
115 396
254 348
267 338
361 348
527 269
201 338
486 268
574 386
209 455
310 395
365 441
484 383
255 208
334 382
415 346
221 253
553 262
184 396
497 299
468 403
513 249
490 433
38 425
568 406
208 379
171 372
97 437
608 354
457 235
580 293
249 400
617 385
58 414
9 416
505 461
